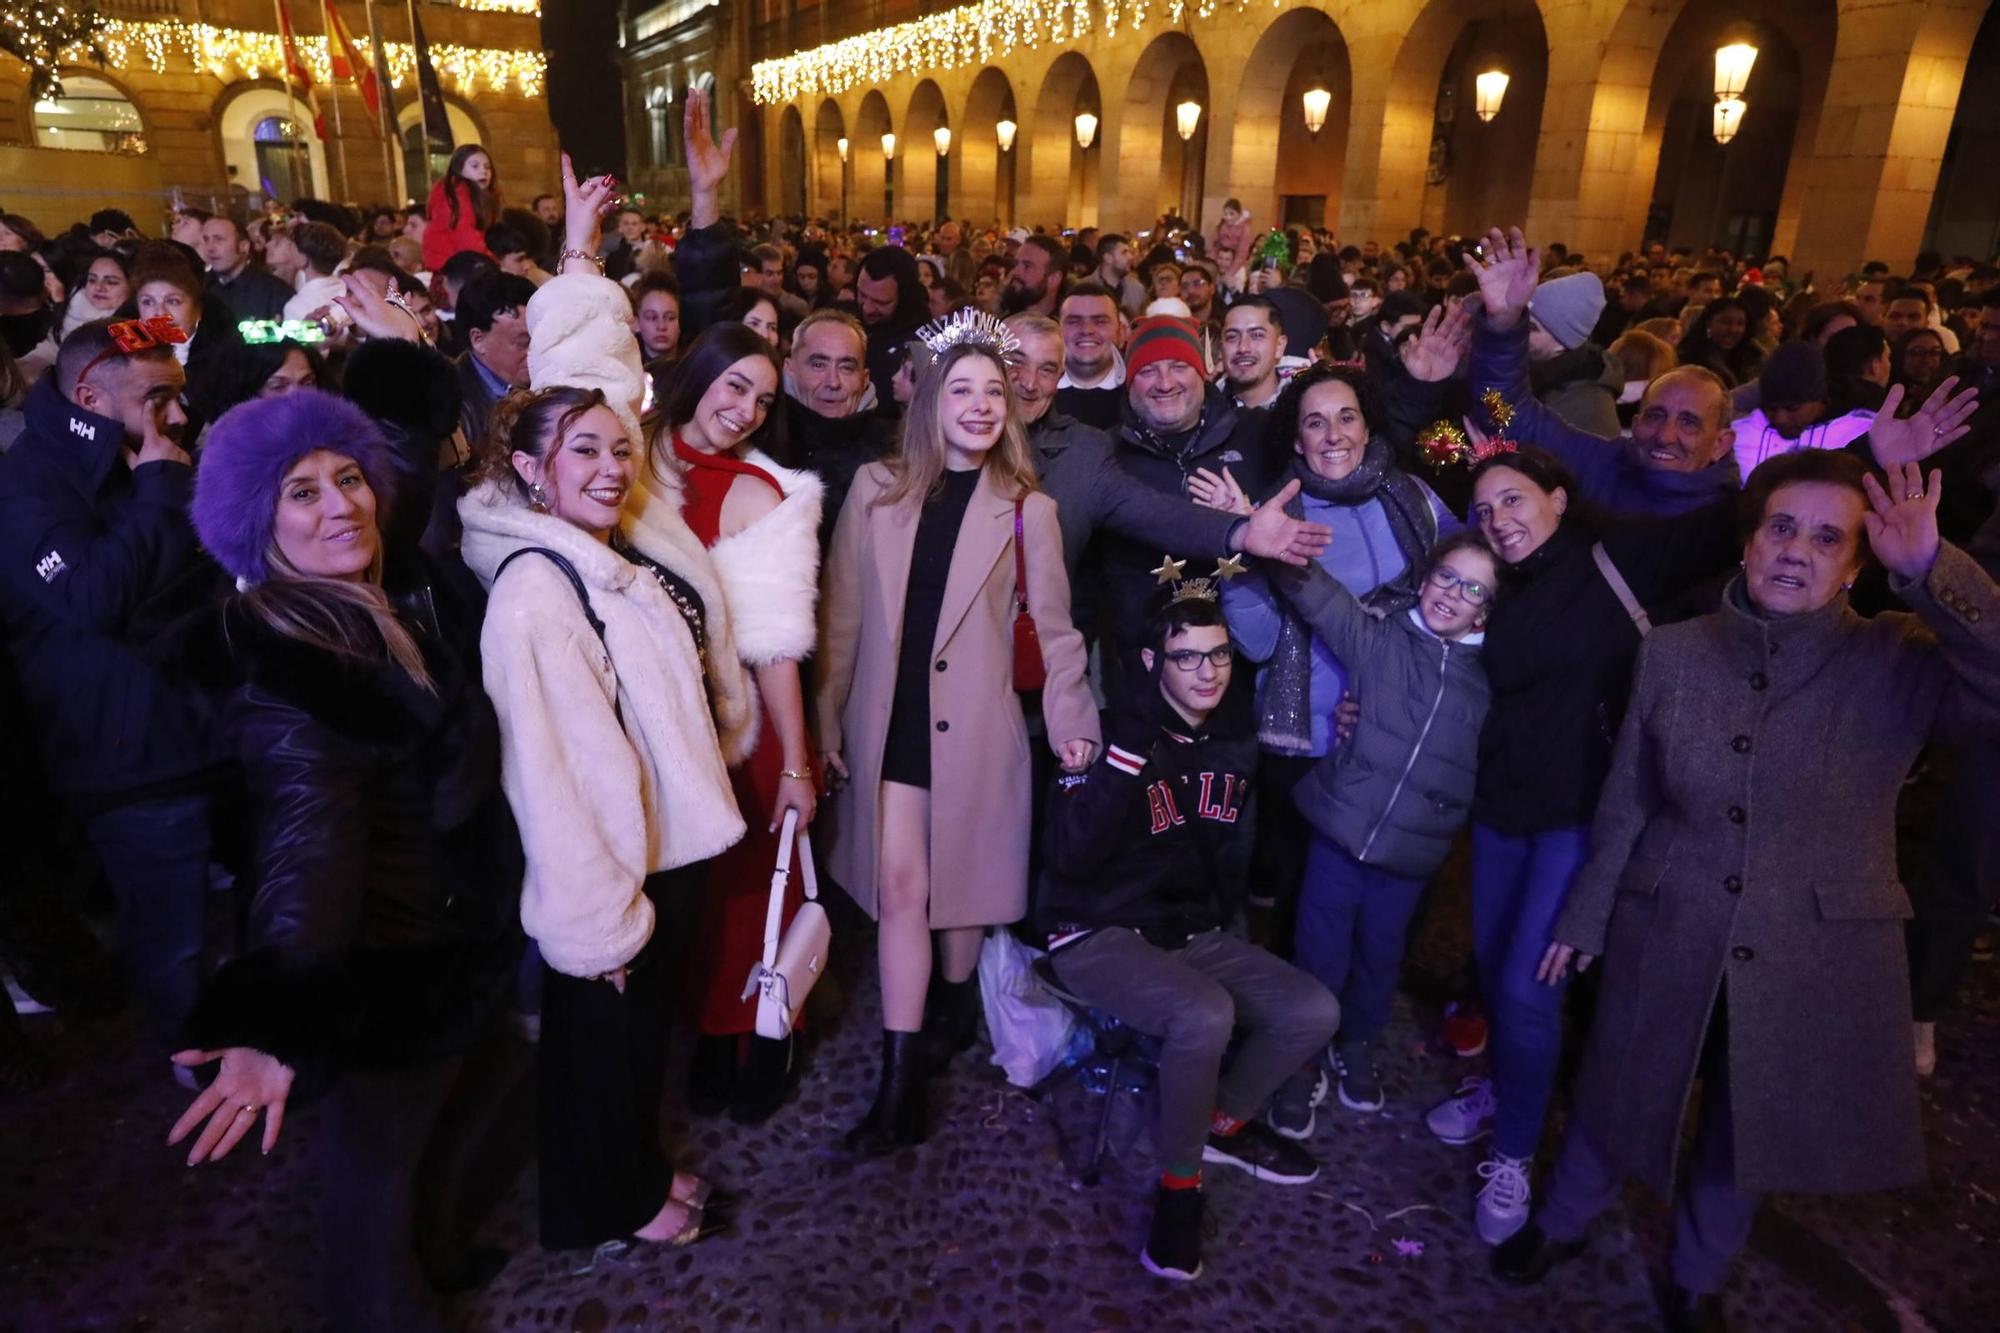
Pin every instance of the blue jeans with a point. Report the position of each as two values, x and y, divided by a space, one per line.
156 856
1518 887
1353 922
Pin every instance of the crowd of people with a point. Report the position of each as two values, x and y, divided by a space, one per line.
471 596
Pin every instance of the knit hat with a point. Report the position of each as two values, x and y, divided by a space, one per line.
1568 307
1163 338
1793 374
244 459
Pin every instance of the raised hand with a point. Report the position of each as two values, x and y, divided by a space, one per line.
1912 439
585 206
1903 527
375 313
1439 345
1213 492
1508 276
708 159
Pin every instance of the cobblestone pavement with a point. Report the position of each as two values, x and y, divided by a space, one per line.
979 1229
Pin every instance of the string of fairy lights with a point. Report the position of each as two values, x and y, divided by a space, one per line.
48 36
972 34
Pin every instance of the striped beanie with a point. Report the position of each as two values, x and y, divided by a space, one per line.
1164 338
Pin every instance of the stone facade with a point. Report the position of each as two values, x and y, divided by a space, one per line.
197 121
1870 86
665 50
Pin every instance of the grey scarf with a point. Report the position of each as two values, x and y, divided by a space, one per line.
1285 726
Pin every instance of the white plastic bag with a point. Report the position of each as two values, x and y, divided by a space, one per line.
1030 1028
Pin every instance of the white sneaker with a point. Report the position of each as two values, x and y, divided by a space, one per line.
1467 1116
1503 1199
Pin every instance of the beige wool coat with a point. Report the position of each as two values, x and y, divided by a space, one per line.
979 741
1746 840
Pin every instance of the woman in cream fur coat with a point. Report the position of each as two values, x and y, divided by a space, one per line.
615 678
708 471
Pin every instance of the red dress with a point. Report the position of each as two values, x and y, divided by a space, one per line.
444 238
738 893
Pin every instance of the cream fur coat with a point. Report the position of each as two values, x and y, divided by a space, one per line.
600 805
768 573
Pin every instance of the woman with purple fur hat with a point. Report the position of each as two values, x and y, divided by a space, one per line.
379 938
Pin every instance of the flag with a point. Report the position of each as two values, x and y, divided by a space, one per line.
347 64
437 125
384 88
295 69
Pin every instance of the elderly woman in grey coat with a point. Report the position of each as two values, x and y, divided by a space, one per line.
1742 883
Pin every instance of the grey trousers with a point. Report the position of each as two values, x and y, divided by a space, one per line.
1193 998
1711 1216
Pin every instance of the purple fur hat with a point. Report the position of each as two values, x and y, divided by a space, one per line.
244 459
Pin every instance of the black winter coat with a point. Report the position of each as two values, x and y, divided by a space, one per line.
96 559
1155 836
1558 655
834 449
383 924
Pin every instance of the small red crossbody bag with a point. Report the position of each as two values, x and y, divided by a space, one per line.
1029 672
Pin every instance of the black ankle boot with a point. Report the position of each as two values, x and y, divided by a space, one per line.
711 1075
897 1118
763 1081
951 1020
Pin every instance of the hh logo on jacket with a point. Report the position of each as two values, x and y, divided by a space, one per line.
49 566
1166 806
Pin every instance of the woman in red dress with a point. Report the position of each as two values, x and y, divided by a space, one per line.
711 460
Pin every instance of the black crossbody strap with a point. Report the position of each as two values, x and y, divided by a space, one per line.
582 596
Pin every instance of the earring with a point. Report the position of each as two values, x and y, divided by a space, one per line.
538 499
1848 586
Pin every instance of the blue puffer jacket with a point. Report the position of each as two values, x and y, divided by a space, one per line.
1361 557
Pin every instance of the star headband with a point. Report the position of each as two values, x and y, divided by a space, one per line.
1196 589
969 328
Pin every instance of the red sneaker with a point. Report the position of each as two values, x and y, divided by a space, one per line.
1463 1028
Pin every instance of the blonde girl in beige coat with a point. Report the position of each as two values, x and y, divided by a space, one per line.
918 716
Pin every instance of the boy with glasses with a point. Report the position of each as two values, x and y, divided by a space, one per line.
1146 856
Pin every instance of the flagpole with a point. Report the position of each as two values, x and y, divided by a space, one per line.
285 73
387 101
425 117
339 139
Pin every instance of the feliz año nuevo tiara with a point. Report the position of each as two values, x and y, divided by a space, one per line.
969 328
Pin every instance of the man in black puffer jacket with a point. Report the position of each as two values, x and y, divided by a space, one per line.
1145 864
96 558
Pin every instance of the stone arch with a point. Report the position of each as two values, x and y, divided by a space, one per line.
868 198
1157 172
113 117
1965 210
241 108
983 177
916 153
1483 183
829 173
1396 123
791 161
1268 152
1687 188
1062 176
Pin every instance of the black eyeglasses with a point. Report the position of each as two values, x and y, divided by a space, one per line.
1446 578
1190 659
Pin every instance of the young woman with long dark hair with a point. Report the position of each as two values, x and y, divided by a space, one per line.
711 471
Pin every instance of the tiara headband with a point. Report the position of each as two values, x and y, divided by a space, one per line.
1442 443
969 327
135 335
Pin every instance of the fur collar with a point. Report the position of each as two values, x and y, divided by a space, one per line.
498 523
226 648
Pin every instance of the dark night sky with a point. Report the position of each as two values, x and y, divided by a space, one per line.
581 37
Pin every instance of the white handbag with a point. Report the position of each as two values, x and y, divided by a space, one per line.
790 968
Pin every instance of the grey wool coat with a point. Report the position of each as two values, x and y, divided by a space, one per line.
1746 840
1398 792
